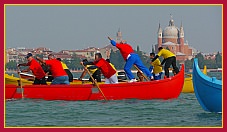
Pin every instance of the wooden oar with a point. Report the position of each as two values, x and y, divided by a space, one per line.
22 91
141 73
94 81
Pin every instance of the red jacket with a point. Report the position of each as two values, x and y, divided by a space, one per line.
36 69
56 68
105 67
125 50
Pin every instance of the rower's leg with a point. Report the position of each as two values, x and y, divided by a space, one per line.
141 66
174 65
167 65
128 65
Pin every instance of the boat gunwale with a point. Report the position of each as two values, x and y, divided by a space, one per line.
204 78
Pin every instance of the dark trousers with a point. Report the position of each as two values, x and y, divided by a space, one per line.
50 78
69 74
170 61
41 81
96 75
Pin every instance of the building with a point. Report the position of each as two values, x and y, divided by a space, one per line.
210 56
19 54
119 37
63 56
105 51
172 38
84 53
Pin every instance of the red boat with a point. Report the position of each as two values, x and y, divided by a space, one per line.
161 89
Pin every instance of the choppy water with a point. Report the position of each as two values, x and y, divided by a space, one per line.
184 111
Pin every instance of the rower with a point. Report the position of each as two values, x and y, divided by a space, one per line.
108 60
131 59
96 73
140 76
169 59
59 74
65 67
155 67
36 69
108 72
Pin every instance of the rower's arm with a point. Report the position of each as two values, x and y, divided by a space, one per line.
163 61
26 70
92 67
85 71
22 64
82 75
154 58
88 63
40 59
112 41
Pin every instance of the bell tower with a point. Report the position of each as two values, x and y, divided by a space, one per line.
119 36
159 36
181 37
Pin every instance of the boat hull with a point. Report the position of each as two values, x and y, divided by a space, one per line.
207 90
12 92
188 86
161 89
15 80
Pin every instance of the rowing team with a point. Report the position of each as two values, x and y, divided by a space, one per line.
61 74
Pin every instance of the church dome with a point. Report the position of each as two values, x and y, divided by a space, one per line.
170 32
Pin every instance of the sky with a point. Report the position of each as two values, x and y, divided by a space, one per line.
78 27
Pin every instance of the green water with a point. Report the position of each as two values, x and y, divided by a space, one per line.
183 112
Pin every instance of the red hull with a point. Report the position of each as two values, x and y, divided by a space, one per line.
162 89
12 91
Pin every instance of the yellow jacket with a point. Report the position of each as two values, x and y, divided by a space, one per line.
92 71
165 53
64 66
113 67
157 66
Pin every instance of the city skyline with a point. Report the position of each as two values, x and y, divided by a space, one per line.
79 27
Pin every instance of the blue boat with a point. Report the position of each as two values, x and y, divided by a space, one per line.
208 90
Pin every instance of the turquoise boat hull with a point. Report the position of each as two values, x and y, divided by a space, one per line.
208 90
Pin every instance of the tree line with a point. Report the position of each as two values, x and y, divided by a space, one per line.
210 63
